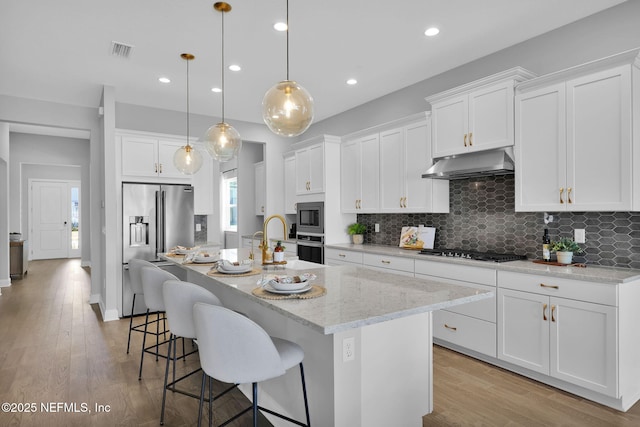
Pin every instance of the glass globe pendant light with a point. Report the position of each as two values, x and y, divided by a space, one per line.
287 108
221 140
187 159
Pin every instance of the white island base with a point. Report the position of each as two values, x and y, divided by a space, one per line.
386 380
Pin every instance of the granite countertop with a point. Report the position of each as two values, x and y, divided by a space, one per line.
356 296
592 273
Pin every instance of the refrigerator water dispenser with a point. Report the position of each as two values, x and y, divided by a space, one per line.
138 231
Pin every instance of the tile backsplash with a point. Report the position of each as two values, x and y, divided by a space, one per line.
482 218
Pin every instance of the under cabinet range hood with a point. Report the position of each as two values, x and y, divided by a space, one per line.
471 165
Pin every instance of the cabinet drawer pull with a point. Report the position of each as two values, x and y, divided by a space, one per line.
561 191
553 315
401 202
160 167
155 165
453 328
385 261
542 285
341 255
569 195
544 312
470 139
465 139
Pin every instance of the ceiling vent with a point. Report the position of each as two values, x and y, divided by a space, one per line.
121 49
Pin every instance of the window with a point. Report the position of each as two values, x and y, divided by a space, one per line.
230 201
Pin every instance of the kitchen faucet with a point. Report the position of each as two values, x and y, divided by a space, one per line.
265 240
251 256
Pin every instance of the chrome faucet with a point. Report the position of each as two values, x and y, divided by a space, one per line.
265 239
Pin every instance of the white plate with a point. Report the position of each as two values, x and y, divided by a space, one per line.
245 270
182 251
288 286
268 288
204 259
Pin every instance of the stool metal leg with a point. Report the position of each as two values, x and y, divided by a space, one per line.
204 381
166 376
133 304
255 404
144 339
304 393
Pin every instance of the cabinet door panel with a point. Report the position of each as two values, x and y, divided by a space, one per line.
599 141
540 150
417 158
166 151
391 170
523 331
139 157
450 123
290 185
583 345
350 164
316 168
491 117
369 174
302 171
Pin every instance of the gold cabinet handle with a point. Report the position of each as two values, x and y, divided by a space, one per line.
160 167
470 139
553 310
569 195
542 285
401 202
384 261
453 328
544 312
404 202
155 165
342 255
561 191
465 139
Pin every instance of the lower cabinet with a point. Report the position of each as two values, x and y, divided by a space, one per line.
392 264
574 341
468 332
333 256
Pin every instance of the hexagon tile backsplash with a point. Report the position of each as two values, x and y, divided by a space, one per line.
482 218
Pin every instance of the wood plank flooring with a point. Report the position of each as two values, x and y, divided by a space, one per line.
54 347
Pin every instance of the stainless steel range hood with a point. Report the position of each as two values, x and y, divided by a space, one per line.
471 165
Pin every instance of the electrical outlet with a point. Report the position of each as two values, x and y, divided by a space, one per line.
348 349
198 227
377 228
579 236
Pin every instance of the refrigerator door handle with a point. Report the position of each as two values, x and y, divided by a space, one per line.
159 221
163 224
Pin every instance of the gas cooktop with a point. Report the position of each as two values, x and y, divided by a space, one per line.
477 256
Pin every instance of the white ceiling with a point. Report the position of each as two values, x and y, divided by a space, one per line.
60 50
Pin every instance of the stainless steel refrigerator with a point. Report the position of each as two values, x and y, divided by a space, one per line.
155 218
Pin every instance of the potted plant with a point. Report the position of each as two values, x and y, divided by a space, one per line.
564 249
356 230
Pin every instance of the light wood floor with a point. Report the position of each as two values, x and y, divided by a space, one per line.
54 347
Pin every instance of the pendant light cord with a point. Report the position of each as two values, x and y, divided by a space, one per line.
222 38
287 39
187 61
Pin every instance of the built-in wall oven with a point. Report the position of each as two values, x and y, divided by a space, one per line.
310 231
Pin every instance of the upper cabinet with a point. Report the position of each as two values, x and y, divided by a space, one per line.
476 116
310 169
574 140
148 156
360 175
381 170
290 183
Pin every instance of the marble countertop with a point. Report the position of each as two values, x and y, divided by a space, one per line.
356 296
592 273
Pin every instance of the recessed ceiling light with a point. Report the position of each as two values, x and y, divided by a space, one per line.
164 80
352 82
280 26
235 67
431 31
216 89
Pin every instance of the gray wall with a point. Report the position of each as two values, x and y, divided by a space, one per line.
611 31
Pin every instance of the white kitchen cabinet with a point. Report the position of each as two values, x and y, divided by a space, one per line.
389 263
405 153
310 169
359 175
476 116
260 179
149 157
574 148
290 184
566 338
334 256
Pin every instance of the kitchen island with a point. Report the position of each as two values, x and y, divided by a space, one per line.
367 342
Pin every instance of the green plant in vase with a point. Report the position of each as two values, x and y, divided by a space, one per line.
356 231
564 248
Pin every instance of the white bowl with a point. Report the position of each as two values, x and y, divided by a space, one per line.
228 266
204 259
284 283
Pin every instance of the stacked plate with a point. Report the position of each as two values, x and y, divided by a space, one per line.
228 267
288 284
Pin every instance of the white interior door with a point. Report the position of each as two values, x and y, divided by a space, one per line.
50 216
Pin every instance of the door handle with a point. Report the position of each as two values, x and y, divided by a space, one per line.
553 311
561 191
65 223
465 139
544 312
569 195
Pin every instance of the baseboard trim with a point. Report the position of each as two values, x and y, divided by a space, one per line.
94 299
5 283
85 264
107 315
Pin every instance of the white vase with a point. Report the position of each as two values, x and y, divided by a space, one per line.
564 257
357 239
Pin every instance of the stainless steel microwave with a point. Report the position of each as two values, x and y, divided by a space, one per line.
310 217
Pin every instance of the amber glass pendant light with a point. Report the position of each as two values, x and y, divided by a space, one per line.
187 159
287 108
221 140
